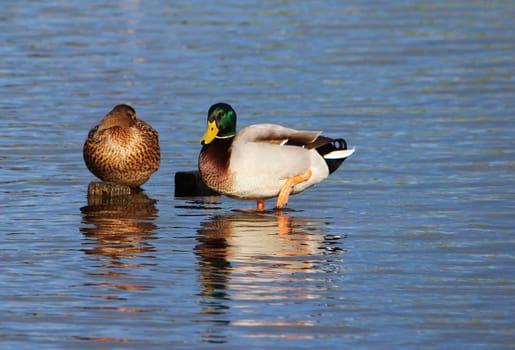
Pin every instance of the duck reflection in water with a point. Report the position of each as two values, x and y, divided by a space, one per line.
119 232
267 256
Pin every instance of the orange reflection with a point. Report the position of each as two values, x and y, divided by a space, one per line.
260 237
107 339
118 235
268 256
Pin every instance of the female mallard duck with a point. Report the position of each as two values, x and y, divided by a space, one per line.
264 160
122 148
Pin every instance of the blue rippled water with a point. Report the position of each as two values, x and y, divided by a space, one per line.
408 245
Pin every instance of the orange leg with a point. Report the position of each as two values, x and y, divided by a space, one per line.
285 191
260 205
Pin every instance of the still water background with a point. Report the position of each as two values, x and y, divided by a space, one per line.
409 245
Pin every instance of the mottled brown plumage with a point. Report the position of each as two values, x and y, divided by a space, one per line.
122 148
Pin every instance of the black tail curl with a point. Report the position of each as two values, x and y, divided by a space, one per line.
330 146
325 145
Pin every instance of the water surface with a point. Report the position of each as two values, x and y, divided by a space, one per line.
409 244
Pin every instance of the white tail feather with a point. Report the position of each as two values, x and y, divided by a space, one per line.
339 154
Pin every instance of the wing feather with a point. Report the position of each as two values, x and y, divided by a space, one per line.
275 134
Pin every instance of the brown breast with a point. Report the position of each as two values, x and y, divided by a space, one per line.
214 161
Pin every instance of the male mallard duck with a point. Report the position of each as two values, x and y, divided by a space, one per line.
122 148
264 160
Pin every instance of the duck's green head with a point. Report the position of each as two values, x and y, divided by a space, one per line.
221 122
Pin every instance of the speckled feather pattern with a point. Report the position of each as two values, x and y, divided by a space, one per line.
127 155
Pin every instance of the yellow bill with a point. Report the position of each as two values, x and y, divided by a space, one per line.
211 132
